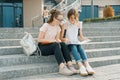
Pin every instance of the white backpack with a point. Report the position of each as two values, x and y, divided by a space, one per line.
28 44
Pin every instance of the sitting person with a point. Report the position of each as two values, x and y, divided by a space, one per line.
71 29
50 44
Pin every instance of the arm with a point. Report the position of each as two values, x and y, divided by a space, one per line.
58 37
81 33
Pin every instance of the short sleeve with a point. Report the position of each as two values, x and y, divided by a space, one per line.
44 27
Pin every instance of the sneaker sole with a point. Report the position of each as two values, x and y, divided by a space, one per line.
91 73
83 74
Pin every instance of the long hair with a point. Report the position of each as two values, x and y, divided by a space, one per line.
54 14
72 12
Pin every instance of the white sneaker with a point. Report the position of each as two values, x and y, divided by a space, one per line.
65 71
83 71
73 69
90 70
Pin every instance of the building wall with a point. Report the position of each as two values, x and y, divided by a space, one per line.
31 8
101 4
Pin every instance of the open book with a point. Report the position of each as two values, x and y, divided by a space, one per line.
79 42
85 41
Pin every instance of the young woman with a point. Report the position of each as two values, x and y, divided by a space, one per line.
45 14
50 44
72 28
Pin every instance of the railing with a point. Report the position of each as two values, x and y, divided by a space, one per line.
38 20
63 6
76 5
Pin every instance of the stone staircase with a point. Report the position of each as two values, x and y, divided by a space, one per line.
104 49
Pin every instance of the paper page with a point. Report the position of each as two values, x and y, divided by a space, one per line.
85 41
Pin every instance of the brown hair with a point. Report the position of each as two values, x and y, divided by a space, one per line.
54 14
45 7
72 12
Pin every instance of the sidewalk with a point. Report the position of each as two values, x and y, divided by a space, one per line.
110 72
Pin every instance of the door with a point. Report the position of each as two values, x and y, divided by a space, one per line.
8 16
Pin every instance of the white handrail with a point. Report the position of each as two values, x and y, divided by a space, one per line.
62 2
62 6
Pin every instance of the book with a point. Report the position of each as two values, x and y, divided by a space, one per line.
85 41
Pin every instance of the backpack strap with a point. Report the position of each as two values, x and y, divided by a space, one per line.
79 24
65 29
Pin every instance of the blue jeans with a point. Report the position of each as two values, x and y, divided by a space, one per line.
78 52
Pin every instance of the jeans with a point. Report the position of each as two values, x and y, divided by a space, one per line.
60 50
78 52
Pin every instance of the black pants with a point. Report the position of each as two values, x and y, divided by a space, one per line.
60 50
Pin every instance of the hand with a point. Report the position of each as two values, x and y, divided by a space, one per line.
86 39
58 40
65 40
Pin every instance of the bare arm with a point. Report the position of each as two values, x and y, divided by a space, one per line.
81 34
58 37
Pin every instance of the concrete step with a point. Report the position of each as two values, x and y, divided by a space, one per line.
92 53
98 45
15 35
101 34
16 42
35 35
18 30
102 73
100 25
104 38
91 45
101 29
11 42
36 29
42 68
27 70
8 50
20 59
103 24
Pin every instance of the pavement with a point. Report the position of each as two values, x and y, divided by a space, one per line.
110 72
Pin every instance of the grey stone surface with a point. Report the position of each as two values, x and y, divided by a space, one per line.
26 70
10 60
18 59
102 73
104 49
8 50
18 30
15 35
104 38
16 42
90 45
43 68
35 35
98 45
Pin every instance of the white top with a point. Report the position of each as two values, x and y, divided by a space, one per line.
72 33
50 31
